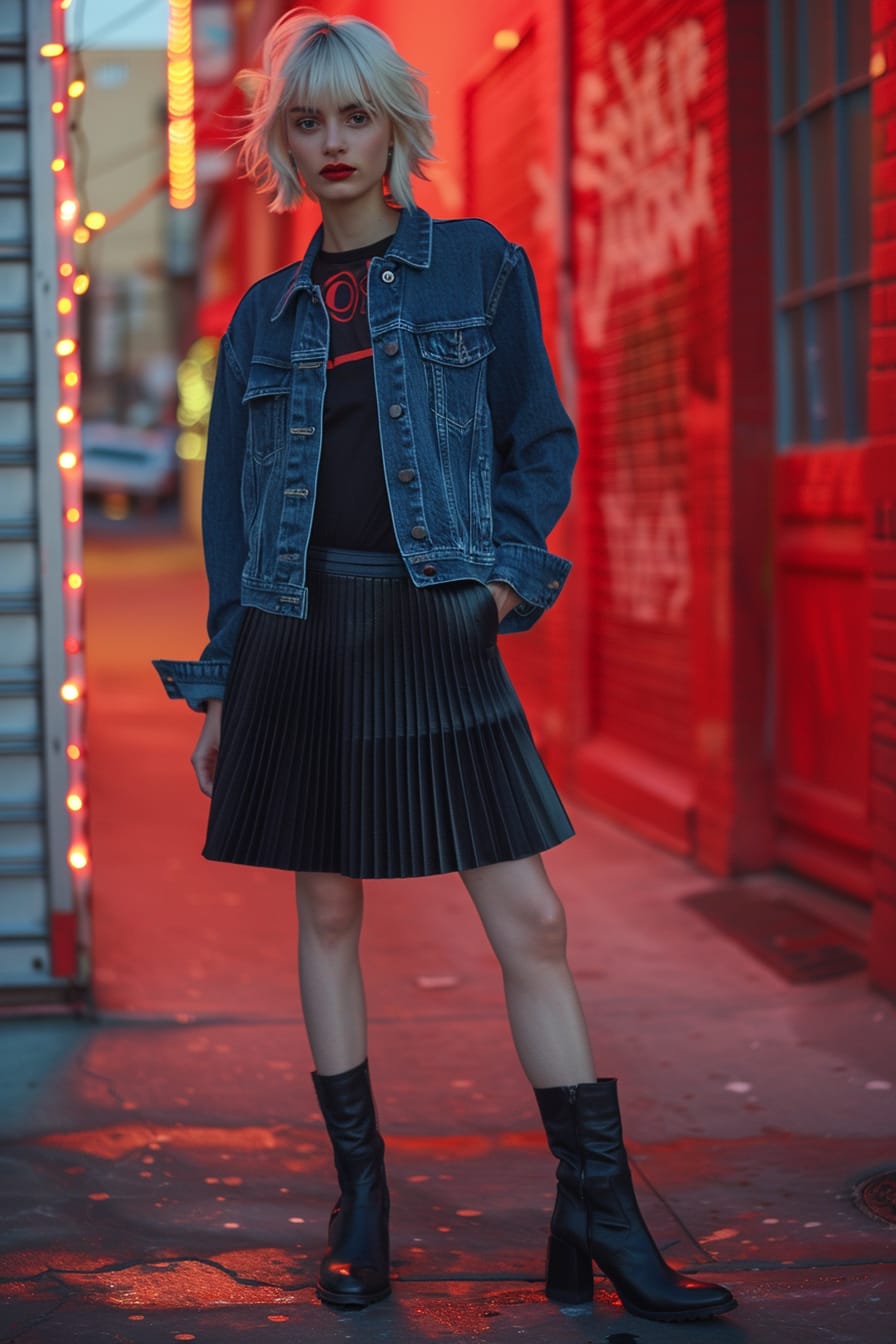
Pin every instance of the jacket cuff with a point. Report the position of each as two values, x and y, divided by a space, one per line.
536 574
196 682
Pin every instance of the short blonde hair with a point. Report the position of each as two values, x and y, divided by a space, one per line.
307 58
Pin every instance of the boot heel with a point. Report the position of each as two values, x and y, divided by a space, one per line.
569 1276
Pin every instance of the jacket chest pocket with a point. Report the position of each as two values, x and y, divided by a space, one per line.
267 401
455 362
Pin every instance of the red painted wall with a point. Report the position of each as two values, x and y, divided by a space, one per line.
710 624
881 488
668 421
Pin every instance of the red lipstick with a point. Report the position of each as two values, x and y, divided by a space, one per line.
336 171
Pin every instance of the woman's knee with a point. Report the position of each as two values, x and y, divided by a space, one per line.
330 907
524 918
543 929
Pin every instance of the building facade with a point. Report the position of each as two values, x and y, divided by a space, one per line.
708 196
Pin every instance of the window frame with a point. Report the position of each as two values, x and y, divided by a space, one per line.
805 298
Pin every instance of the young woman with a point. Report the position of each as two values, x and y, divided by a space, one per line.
387 453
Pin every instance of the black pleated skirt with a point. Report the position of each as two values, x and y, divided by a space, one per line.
380 736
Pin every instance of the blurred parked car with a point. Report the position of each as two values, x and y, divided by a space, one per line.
128 465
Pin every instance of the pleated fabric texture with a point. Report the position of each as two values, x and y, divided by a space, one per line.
379 737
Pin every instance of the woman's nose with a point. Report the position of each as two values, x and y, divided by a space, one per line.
334 140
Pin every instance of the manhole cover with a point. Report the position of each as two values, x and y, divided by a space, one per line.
876 1196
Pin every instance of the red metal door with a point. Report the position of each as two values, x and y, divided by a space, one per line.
512 180
821 238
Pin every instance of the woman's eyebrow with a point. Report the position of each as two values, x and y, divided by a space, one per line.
315 111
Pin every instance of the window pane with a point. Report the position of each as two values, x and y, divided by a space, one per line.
856 180
820 56
857 334
825 373
856 53
792 215
823 172
792 385
787 92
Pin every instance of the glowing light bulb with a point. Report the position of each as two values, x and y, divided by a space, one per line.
57 107
70 692
71 379
65 415
66 269
64 306
74 802
72 516
51 49
68 210
66 346
67 459
81 235
95 219
76 88
75 581
506 39
73 752
81 283
77 857
57 165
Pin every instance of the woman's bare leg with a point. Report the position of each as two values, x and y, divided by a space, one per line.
331 909
526 926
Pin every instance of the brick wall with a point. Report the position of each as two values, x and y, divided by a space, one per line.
882 494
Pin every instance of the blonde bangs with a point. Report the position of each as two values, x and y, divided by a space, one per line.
307 60
325 72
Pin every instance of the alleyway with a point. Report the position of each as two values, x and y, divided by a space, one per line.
164 1174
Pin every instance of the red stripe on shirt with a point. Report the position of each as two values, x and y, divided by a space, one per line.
350 358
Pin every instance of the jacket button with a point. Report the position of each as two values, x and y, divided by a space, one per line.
553 585
391 347
396 412
406 475
388 277
419 534
429 570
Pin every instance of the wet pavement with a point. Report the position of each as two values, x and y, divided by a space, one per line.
163 1172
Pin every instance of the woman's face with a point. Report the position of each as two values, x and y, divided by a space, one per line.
340 152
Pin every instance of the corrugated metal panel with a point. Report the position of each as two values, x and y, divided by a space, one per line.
34 886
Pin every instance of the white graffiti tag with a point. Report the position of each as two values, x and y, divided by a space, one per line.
650 568
648 167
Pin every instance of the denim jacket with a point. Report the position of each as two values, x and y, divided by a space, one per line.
477 449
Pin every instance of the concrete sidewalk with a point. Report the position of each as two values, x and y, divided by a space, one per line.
164 1173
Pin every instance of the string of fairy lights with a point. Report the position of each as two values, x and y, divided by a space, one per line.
72 231
71 283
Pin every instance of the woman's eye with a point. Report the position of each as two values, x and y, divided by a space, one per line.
359 118
305 124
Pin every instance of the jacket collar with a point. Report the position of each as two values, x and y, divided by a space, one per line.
412 244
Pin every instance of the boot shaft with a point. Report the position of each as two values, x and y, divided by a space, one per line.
347 1106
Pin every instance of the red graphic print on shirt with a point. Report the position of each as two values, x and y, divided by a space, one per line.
345 294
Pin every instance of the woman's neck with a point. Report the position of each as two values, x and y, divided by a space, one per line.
358 225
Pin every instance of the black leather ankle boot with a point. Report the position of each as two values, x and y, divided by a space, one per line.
596 1216
355 1270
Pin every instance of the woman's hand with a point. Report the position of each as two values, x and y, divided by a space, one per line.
205 753
506 598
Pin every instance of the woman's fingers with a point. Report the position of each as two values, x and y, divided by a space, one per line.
205 753
505 598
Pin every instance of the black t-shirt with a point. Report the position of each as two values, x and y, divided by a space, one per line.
352 507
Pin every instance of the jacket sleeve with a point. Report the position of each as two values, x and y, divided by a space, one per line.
223 539
535 446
